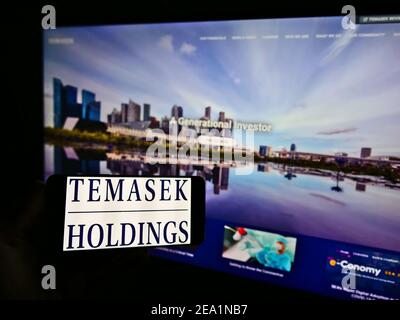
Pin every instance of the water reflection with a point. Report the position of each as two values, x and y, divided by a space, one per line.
290 174
362 187
70 161
337 188
277 197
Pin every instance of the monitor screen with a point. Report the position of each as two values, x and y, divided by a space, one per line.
309 196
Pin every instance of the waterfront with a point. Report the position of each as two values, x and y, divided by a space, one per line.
361 213
273 197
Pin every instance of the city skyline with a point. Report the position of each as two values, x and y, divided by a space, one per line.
322 98
65 104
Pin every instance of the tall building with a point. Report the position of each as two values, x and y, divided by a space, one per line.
130 112
221 116
93 111
133 111
65 103
70 95
263 151
176 112
146 112
124 112
114 117
207 114
87 97
293 155
365 152
165 124
58 103
71 107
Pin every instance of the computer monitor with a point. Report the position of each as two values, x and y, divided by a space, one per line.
314 102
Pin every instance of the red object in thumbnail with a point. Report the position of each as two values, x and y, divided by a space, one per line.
242 231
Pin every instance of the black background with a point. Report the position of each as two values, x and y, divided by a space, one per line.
120 274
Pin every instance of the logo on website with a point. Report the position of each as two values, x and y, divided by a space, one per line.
354 267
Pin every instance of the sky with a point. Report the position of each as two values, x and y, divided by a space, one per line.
325 95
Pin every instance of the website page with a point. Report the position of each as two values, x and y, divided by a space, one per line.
309 195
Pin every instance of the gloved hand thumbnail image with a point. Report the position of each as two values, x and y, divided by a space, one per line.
259 248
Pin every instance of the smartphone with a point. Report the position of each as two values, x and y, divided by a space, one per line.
116 212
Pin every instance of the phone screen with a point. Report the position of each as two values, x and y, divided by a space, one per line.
106 212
